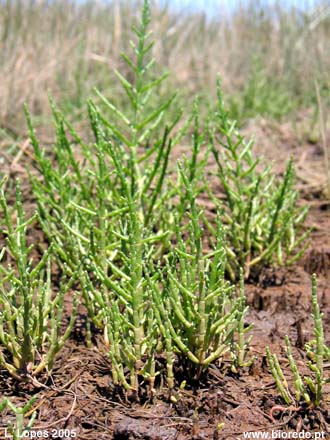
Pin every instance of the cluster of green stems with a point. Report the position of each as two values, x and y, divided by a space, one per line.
151 267
309 388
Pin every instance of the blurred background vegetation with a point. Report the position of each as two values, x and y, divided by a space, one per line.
272 56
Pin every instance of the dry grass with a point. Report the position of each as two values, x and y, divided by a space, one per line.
269 57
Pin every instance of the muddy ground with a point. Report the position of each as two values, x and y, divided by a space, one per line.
79 398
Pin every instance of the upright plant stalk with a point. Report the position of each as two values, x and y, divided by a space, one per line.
135 242
81 197
160 313
317 366
141 123
278 375
30 319
194 164
310 388
198 307
298 382
241 346
261 218
129 321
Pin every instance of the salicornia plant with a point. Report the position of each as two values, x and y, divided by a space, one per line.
82 180
308 388
123 296
19 430
141 129
30 318
80 196
260 213
240 346
130 328
118 224
199 309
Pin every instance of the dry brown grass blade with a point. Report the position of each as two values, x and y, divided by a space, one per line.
323 129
